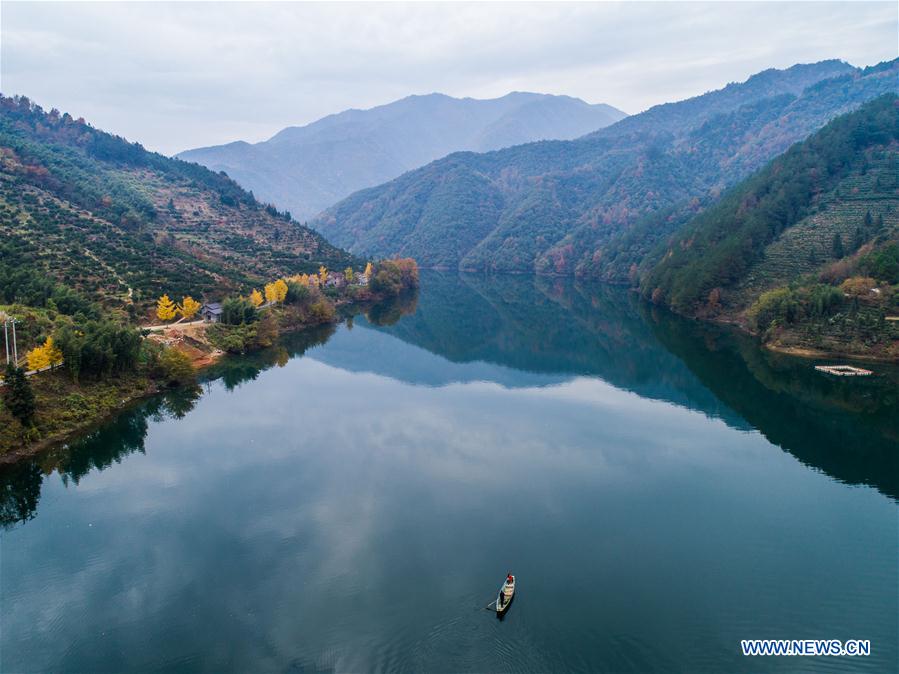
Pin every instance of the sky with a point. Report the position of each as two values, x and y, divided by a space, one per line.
175 76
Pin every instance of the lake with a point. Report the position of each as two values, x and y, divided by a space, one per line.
352 499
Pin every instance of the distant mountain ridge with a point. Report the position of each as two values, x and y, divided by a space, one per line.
595 206
305 169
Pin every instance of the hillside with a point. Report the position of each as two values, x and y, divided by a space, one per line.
306 169
122 225
806 251
596 205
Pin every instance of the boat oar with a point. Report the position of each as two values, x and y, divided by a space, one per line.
487 607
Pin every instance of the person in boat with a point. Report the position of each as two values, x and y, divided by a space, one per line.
506 591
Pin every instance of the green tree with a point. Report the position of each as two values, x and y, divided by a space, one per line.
17 395
837 247
238 310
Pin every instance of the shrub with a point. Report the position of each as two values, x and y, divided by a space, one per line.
322 311
393 276
174 367
297 293
883 264
858 286
774 305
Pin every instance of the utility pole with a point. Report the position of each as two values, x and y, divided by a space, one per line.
15 352
6 336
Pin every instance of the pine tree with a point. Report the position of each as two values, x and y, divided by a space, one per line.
859 238
17 395
838 251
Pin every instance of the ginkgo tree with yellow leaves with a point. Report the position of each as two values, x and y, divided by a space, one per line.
43 356
322 274
276 291
166 309
189 307
368 270
256 298
280 289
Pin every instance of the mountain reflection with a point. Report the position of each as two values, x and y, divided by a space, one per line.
520 331
846 427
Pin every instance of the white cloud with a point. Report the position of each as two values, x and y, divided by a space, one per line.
180 75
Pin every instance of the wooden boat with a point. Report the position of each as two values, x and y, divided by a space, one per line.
506 593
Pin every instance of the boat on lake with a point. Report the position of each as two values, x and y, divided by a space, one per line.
506 594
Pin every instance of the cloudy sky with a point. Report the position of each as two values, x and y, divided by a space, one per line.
182 75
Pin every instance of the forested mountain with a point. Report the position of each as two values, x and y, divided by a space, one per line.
84 210
596 205
809 245
306 169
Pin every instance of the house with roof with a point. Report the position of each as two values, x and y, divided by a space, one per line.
335 280
211 312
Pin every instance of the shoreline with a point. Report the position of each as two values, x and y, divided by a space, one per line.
187 340
810 353
62 438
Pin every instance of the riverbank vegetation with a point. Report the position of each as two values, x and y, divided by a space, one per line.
306 300
99 361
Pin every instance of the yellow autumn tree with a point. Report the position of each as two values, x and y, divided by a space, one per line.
44 356
348 274
322 274
165 308
368 270
271 295
189 307
256 297
280 290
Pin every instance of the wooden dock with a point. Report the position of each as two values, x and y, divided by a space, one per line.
843 370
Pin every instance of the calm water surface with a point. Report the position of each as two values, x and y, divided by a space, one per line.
352 499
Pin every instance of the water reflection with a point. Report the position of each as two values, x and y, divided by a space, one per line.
846 427
521 331
20 484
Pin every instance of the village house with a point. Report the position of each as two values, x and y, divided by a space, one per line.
211 312
335 280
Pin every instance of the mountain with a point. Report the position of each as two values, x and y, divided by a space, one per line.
806 250
96 214
596 205
305 169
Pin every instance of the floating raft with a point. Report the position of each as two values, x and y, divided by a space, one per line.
843 370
